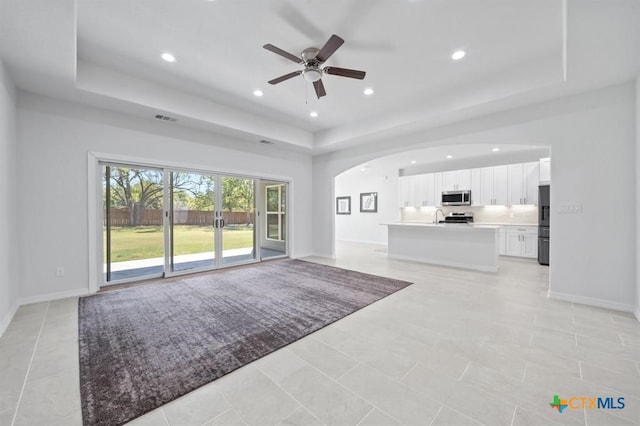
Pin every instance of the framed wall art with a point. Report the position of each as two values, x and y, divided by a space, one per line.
343 205
369 202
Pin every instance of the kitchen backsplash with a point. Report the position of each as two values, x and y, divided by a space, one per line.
516 215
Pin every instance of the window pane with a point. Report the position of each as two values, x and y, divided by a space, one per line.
272 226
272 199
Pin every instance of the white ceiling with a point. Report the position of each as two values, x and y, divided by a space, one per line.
107 53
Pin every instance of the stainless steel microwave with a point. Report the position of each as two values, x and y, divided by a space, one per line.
456 198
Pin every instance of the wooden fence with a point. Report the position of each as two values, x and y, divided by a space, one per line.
151 217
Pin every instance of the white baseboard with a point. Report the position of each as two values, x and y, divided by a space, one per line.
53 296
600 303
376 243
4 322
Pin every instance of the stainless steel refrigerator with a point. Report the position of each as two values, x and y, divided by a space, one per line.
544 212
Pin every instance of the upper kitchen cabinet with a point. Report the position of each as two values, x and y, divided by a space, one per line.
476 187
426 190
407 191
456 180
523 183
494 186
545 170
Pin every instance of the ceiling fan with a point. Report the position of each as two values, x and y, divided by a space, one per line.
312 59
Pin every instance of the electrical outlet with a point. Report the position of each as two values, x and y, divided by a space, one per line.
59 271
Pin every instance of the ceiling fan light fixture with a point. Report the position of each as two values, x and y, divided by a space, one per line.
313 114
312 74
368 91
258 93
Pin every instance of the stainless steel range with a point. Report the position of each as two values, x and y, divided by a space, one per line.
458 217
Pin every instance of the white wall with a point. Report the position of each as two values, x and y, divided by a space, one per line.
638 198
366 227
8 194
54 139
592 140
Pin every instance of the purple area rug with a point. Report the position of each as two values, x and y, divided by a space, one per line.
145 346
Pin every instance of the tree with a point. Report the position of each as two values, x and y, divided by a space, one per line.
135 190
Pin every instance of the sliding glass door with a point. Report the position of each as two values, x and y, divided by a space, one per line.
164 222
192 231
133 232
237 220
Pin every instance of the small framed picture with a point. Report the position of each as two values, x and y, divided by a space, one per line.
369 202
343 205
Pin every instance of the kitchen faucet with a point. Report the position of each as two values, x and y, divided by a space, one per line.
435 216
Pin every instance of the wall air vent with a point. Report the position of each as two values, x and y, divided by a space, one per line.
266 142
166 118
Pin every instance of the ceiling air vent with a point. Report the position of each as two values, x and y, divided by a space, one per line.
266 142
166 118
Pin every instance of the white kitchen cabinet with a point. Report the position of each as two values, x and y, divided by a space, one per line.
476 187
545 170
494 185
456 180
407 191
523 183
522 241
425 190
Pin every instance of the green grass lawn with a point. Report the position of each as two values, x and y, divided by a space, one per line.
144 242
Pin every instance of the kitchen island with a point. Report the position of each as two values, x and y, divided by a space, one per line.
460 245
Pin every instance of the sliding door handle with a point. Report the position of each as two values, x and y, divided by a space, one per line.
221 223
215 223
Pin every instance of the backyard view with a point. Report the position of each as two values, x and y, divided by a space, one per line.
135 201
144 242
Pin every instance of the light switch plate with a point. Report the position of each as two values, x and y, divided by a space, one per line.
570 208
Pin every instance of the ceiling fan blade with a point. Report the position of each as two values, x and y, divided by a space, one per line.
320 92
345 72
283 53
285 77
329 47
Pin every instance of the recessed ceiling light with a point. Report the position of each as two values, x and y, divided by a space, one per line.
368 91
364 169
413 161
458 54
258 92
168 57
449 156
313 114
495 149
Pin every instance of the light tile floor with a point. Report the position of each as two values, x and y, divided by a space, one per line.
455 348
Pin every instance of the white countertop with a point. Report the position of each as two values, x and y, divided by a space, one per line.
444 225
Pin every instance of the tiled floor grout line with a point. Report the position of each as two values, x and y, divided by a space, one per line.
513 418
584 412
33 354
464 371
524 372
216 416
437 414
366 415
637 366
349 370
233 406
580 368
415 364
164 416
344 387
621 339
575 336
